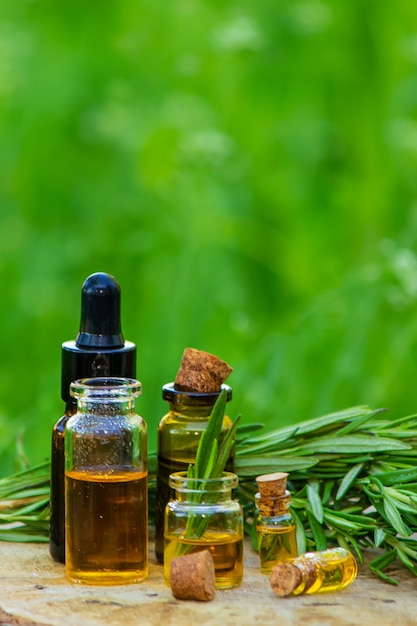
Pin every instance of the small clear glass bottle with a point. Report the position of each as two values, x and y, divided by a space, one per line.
179 433
106 484
314 572
203 516
276 532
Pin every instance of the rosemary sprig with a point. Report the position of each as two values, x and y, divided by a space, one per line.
353 478
211 459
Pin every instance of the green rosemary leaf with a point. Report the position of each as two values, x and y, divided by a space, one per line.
379 536
314 500
256 465
273 441
210 434
299 533
357 422
225 449
328 490
340 523
318 533
384 559
361 521
353 444
350 539
348 480
398 477
406 561
25 537
394 517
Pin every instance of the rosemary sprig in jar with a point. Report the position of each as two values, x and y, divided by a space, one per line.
204 479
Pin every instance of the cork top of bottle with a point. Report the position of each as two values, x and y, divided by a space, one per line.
201 372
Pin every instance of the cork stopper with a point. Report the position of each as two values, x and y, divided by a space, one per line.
192 577
272 490
201 372
284 579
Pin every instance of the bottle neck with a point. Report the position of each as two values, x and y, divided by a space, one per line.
273 506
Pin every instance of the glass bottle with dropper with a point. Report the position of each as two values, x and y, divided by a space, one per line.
98 350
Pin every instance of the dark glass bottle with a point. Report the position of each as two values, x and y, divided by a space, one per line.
179 433
98 350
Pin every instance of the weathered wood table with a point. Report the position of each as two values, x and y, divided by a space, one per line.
34 590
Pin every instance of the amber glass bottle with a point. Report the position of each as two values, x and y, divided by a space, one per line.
99 350
179 433
106 484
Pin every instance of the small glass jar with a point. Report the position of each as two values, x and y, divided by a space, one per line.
276 530
179 433
203 516
106 484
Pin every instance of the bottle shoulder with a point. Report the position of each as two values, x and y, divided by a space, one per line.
174 420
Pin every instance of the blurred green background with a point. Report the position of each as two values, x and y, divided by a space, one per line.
247 171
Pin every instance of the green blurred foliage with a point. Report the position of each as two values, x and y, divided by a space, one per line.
245 170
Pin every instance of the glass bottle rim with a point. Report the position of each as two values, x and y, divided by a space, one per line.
179 396
116 388
181 482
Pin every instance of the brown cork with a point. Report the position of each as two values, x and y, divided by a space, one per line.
273 496
272 485
192 577
201 372
284 578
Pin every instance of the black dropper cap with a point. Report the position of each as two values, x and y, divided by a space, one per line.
99 349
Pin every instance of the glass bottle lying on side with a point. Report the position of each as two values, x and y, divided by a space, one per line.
203 516
314 572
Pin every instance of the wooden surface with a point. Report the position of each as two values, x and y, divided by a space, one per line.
34 589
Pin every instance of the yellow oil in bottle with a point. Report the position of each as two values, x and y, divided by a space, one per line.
335 569
178 439
106 538
226 548
314 572
275 545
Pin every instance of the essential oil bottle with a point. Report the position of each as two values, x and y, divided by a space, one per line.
191 397
106 486
275 526
179 433
314 572
98 350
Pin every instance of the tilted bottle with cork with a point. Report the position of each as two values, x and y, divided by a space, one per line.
98 350
191 397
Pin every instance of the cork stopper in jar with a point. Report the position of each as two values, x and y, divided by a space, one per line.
201 372
192 577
